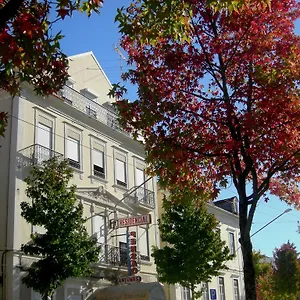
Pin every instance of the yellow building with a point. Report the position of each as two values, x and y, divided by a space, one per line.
79 124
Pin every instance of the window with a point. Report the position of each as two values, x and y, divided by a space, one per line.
73 149
236 289
99 228
123 254
43 138
44 135
143 243
222 288
140 178
231 243
98 160
205 292
185 293
120 170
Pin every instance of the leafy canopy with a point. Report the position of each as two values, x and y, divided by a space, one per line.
222 107
194 252
30 50
65 249
287 271
279 279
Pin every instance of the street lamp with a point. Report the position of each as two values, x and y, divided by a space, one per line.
286 211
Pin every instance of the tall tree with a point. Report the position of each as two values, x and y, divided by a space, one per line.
287 271
65 249
223 107
194 252
30 52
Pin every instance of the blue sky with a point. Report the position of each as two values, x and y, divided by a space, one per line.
100 35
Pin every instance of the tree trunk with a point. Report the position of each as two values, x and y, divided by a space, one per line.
249 271
193 291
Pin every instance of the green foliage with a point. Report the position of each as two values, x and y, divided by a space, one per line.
194 252
66 250
261 266
280 280
153 20
287 271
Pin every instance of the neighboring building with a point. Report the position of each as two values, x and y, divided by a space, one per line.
229 285
80 125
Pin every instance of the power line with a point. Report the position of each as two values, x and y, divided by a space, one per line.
63 137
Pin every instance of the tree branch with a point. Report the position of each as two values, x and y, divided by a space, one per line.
9 11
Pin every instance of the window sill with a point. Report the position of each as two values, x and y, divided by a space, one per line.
93 177
79 171
120 187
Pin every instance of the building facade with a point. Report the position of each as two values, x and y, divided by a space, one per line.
78 124
229 285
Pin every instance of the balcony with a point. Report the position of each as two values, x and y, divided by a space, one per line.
141 197
90 108
35 155
115 256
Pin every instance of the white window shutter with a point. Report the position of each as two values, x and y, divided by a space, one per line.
73 149
120 171
99 228
98 158
44 136
140 176
143 241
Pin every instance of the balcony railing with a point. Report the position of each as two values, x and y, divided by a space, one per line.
35 155
90 108
142 196
115 256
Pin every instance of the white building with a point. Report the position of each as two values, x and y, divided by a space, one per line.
79 124
229 285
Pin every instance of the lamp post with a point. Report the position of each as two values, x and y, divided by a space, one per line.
286 211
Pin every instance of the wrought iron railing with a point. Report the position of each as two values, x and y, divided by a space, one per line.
142 196
91 108
115 256
36 154
145 196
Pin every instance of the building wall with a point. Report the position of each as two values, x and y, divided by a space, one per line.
100 196
229 223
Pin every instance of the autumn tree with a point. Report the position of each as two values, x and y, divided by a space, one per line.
65 249
222 108
194 252
30 50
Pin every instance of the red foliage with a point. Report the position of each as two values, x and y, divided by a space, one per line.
226 104
29 52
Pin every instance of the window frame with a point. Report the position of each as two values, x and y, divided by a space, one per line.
77 131
143 256
39 115
101 143
222 288
118 183
236 295
231 242
185 293
205 296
